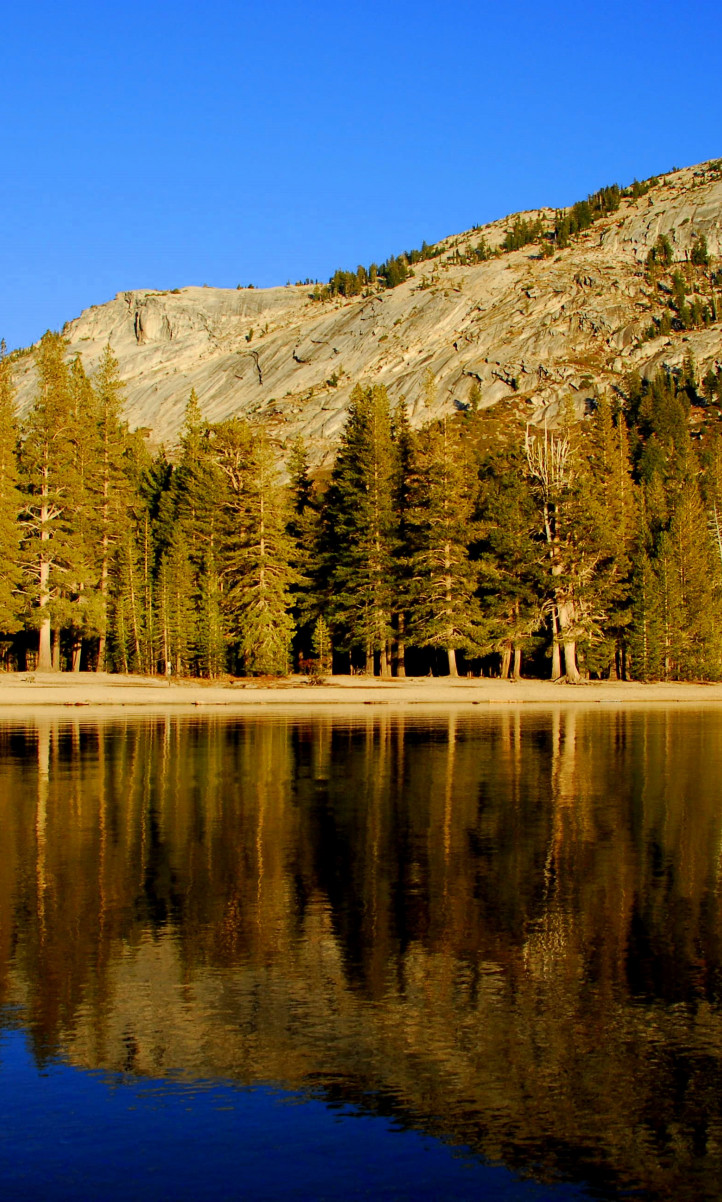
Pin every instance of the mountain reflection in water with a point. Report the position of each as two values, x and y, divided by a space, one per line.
502 929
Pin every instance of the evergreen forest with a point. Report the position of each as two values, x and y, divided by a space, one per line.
477 544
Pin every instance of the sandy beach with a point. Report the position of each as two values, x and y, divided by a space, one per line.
33 690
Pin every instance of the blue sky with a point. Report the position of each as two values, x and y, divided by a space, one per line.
163 144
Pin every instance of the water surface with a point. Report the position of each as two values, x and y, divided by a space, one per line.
462 956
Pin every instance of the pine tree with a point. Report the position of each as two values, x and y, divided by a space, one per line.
304 530
211 638
109 485
176 610
510 563
613 525
697 636
444 610
551 469
404 471
322 646
359 529
645 639
128 624
10 503
258 551
49 475
82 614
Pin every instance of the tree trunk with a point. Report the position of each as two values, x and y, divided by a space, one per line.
77 652
100 665
516 671
45 662
565 615
506 662
570 662
453 670
556 649
370 666
401 647
56 651
44 658
385 660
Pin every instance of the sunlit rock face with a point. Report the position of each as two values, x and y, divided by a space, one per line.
540 330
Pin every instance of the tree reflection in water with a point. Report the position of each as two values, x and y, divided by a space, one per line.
502 928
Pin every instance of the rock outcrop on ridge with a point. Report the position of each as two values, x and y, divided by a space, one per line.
518 324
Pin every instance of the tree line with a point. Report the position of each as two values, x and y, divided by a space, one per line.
478 543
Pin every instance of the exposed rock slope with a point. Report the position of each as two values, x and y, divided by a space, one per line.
540 328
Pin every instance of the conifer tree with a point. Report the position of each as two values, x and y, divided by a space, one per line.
322 645
612 526
647 627
50 481
211 641
510 564
197 488
304 530
109 486
10 503
79 606
570 518
359 528
258 551
128 635
404 470
444 610
697 638
176 610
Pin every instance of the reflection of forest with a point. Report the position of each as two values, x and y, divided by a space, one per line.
504 928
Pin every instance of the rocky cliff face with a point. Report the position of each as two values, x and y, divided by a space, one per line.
517 324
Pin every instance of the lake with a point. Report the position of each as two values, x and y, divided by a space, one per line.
473 955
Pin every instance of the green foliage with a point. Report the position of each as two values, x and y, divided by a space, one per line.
699 254
388 274
10 504
322 646
443 606
522 234
661 254
256 552
359 526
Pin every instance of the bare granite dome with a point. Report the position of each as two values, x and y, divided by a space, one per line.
541 328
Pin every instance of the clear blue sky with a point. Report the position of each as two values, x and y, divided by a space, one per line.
162 144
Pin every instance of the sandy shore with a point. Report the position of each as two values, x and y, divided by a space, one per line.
32 690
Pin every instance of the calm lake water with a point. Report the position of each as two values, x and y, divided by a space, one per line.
382 956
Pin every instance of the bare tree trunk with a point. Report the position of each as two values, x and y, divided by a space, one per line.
451 653
506 661
370 666
77 652
516 671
